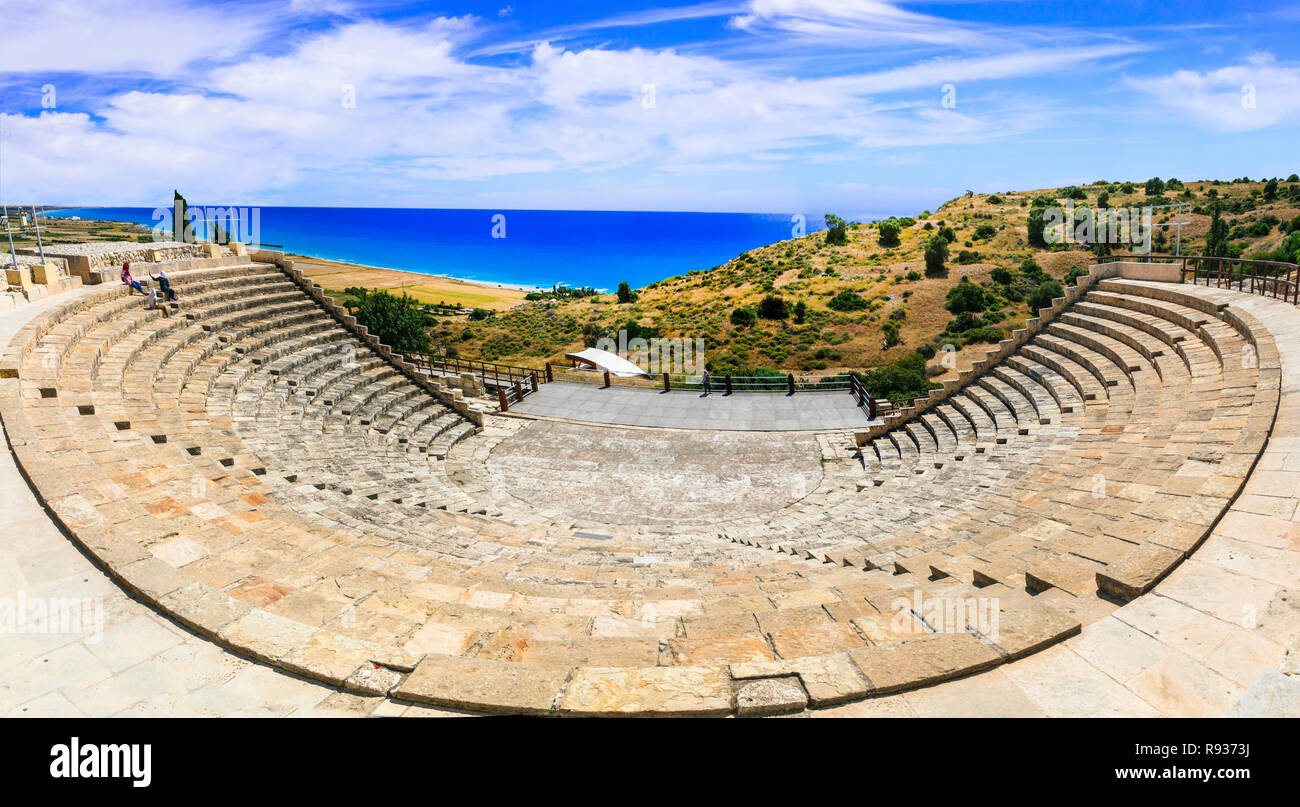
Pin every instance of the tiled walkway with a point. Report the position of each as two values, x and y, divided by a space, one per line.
749 411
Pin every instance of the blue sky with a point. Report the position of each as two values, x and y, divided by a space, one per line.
856 106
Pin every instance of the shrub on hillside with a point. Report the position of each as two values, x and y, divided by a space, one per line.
1035 227
1030 269
836 230
936 255
847 300
773 307
743 317
905 378
890 332
395 321
984 334
1072 276
889 233
1042 297
965 296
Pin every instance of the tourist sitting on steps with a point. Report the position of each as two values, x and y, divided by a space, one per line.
154 304
130 281
166 285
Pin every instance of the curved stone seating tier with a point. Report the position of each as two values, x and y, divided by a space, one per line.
252 469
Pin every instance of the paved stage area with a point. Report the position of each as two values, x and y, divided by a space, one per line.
748 411
633 476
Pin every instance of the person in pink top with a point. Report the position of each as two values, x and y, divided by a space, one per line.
130 281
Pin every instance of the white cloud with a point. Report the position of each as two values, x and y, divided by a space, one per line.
868 23
434 124
1244 97
158 37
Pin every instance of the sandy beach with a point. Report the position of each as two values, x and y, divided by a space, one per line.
337 276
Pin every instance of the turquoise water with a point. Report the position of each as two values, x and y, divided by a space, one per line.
518 247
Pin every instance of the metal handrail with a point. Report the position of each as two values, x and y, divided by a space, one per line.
510 395
718 383
1281 280
498 375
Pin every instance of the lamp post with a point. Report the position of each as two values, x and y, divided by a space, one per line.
12 255
37 221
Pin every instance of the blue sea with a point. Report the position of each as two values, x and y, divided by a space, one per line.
516 247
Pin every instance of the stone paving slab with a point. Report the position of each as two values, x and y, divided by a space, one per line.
748 411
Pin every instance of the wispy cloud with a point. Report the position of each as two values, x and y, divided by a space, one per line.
774 101
1257 94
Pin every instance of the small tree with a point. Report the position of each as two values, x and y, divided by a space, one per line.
800 311
742 317
1216 241
1034 228
890 232
625 294
936 254
1042 297
837 230
965 296
395 321
890 333
1155 186
773 307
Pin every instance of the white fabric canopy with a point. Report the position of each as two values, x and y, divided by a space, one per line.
605 360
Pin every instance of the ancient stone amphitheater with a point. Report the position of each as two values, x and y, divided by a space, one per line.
261 471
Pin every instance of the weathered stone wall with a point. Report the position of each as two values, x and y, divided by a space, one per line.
89 261
1161 272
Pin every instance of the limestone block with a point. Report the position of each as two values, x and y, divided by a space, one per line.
22 276
45 274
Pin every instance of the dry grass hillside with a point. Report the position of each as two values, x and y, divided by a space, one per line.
890 280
